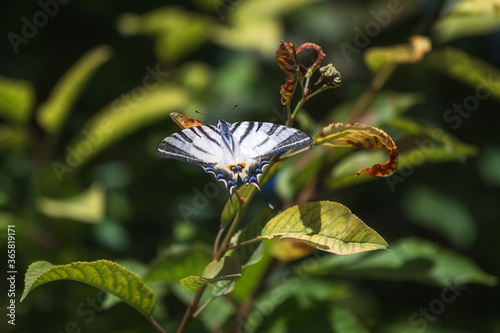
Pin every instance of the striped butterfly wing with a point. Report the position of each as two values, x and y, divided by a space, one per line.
258 142
196 145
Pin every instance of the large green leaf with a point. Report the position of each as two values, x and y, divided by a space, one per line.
466 68
411 259
16 99
52 113
102 274
327 226
123 116
227 268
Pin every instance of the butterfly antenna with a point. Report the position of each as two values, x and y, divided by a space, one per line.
234 107
206 114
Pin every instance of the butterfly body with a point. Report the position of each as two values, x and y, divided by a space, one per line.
231 151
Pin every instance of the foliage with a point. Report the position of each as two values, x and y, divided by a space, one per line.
79 178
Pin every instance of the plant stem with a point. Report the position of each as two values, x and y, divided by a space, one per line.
188 316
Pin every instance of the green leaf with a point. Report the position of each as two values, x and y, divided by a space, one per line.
440 213
226 268
468 69
177 261
87 206
327 226
12 138
252 253
411 259
52 113
16 99
123 116
467 18
102 274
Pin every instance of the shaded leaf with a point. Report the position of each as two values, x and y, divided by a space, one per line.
440 213
287 60
102 274
252 253
87 206
12 138
287 249
52 113
363 136
183 121
466 68
120 118
327 226
226 268
177 261
16 99
378 57
411 259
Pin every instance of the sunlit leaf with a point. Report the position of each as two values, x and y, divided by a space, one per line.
287 60
466 68
52 113
16 99
177 261
363 136
380 56
102 274
88 206
327 226
226 268
468 18
124 116
183 121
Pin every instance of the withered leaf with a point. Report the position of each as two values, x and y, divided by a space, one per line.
363 136
287 60
319 56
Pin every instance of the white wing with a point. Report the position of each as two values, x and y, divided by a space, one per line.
197 145
259 140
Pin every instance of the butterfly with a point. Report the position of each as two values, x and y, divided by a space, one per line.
232 151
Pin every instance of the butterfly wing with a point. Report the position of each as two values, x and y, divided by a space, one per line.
258 142
196 145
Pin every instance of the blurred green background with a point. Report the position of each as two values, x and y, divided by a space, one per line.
86 88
